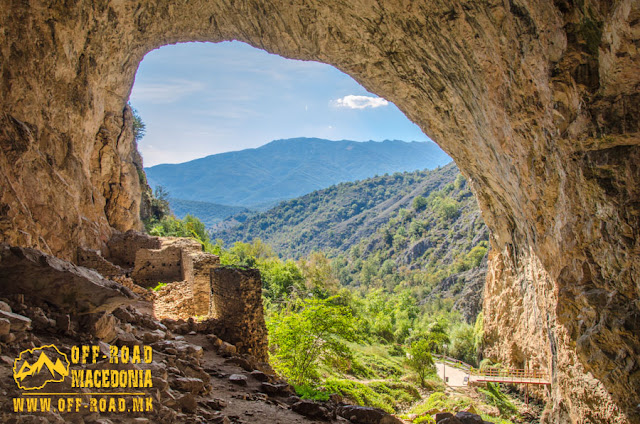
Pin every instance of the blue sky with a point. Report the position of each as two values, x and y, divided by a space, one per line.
198 99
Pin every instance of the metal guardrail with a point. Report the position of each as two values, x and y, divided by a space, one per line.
454 362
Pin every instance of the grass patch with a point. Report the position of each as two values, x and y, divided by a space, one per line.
495 397
159 286
495 420
306 391
439 401
375 362
386 395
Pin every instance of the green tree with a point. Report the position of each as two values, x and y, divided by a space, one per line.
420 359
462 344
478 334
300 341
420 203
448 208
139 127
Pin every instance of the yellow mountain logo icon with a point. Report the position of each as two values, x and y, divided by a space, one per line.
34 368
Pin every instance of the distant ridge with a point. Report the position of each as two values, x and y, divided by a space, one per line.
284 169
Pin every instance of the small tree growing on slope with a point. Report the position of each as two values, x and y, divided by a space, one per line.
317 332
420 359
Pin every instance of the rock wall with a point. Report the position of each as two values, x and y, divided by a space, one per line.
537 101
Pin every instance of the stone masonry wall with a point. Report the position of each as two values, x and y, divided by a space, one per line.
122 247
202 266
89 258
153 266
236 303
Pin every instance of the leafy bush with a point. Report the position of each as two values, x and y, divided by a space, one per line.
420 203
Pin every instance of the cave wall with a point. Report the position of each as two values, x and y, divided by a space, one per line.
537 101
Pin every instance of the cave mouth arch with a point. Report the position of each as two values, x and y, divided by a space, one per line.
229 96
536 102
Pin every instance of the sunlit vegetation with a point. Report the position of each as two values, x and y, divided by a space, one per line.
361 324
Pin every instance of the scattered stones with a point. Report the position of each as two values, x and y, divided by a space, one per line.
153 336
241 362
216 404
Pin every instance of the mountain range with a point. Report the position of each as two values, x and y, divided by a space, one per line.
285 169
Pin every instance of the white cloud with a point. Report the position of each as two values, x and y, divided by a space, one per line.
359 102
165 92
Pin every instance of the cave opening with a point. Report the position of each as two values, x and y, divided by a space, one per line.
167 100
500 86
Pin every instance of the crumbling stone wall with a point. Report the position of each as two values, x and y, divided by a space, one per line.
202 267
93 259
236 304
123 247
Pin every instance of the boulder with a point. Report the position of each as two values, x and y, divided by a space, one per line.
239 379
71 288
188 384
366 415
259 375
18 322
311 409
469 418
281 389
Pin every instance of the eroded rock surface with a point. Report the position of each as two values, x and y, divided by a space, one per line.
537 101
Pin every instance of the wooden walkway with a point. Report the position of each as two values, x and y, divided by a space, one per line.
510 376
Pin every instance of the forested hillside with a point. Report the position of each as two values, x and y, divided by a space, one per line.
420 230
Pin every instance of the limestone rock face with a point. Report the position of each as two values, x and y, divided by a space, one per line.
537 101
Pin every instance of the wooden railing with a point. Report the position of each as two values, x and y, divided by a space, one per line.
517 373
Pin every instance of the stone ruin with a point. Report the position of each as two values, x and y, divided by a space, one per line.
229 299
